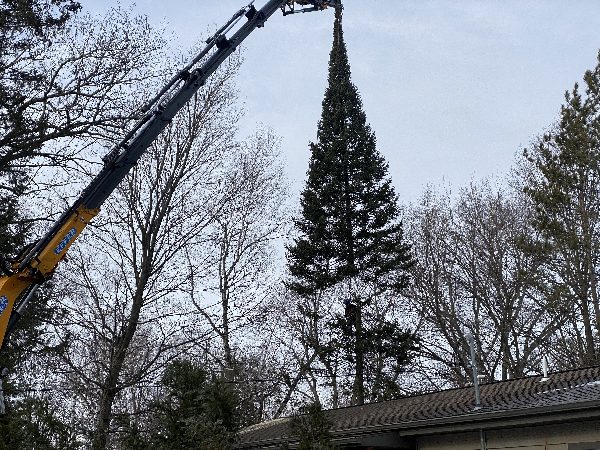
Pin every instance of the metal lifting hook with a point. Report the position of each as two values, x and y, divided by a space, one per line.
314 5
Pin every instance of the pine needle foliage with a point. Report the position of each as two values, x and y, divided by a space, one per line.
312 428
349 227
197 411
564 188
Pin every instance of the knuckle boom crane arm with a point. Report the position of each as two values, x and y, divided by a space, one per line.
21 277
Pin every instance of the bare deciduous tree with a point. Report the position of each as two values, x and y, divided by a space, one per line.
129 317
237 269
80 85
473 276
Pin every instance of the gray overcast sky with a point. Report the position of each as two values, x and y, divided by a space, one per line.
452 89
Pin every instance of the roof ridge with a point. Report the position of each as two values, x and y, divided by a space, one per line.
491 383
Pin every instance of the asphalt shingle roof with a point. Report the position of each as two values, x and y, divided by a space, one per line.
562 389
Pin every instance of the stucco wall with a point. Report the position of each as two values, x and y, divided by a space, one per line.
555 437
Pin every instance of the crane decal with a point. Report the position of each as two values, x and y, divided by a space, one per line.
70 235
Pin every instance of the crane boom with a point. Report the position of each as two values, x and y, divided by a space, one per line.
21 277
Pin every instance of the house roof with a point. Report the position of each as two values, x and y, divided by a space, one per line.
571 390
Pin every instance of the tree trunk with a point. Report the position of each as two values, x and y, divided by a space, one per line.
224 291
590 351
110 388
595 300
359 379
104 415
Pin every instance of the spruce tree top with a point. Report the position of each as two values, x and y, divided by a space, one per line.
349 227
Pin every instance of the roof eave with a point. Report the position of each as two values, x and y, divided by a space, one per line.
489 419
474 421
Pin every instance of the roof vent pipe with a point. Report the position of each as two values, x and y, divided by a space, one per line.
471 341
545 369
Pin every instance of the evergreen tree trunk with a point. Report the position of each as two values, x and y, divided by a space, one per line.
359 380
359 377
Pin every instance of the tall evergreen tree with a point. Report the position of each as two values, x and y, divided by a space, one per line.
349 234
564 186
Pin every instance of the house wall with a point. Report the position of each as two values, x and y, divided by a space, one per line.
579 436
